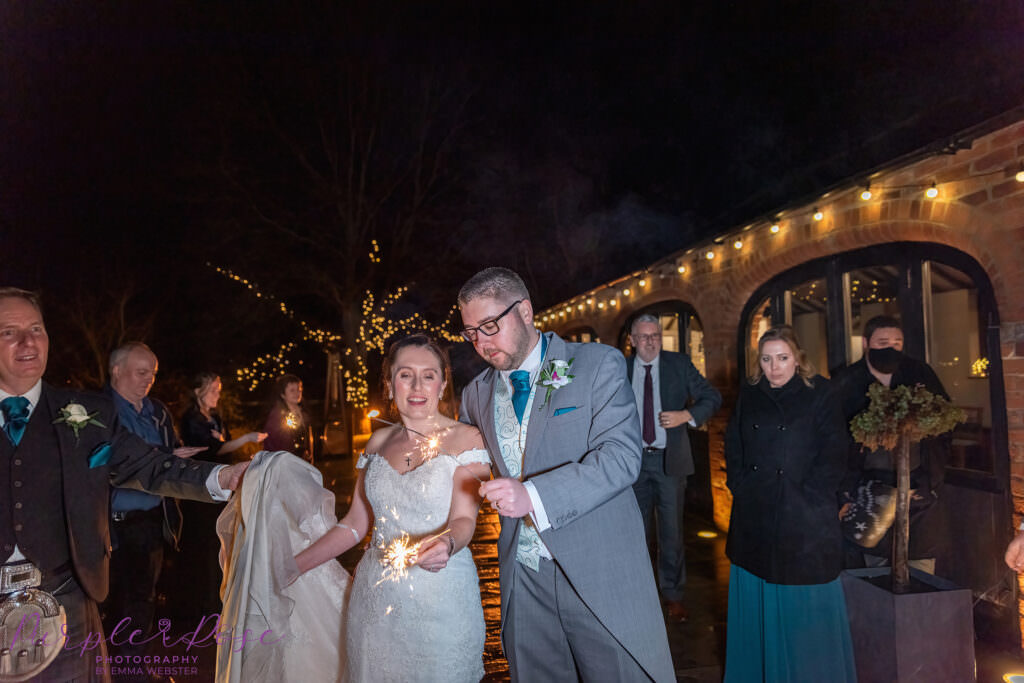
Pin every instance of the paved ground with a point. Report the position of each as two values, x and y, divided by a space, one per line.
698 645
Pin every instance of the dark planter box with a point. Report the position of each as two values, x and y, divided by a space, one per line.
923 636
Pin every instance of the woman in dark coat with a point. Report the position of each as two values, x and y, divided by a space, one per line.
785 454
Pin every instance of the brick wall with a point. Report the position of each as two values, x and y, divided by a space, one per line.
979 210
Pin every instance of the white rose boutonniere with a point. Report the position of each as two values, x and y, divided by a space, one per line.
555 375
75 415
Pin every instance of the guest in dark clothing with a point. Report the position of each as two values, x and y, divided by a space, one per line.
785 449
60 452
140 522
201 425
885 362
288 425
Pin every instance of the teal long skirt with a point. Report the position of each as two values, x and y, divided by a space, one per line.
787 634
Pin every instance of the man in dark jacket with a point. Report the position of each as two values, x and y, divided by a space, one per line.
59 453
885 362
670 395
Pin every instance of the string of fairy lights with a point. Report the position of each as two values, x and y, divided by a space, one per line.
714 253
377 325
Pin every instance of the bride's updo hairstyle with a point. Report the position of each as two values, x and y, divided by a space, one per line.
422 341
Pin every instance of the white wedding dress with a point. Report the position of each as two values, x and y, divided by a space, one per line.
280 510
424 626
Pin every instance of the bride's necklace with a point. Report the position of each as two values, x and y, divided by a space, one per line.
427 450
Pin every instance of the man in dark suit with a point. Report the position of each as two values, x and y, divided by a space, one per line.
59 453
670 394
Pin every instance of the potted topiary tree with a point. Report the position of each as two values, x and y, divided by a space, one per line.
917 627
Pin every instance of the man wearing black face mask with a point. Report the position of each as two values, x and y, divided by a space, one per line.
885 362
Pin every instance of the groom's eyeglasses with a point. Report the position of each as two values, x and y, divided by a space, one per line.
489 328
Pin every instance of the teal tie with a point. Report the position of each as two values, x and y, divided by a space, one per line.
520 392
15 409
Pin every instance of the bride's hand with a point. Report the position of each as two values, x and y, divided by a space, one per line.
434 555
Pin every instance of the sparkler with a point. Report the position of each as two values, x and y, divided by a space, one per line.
399 555
291 421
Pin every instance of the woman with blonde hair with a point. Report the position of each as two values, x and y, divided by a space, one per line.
785 454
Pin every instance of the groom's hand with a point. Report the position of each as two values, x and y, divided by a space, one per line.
508 497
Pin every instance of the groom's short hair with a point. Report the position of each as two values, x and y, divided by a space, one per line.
495 282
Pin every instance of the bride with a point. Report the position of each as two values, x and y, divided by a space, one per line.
419 620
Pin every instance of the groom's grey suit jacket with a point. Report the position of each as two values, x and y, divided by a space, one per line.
583 462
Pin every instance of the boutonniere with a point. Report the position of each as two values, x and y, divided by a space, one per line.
75 415
555 376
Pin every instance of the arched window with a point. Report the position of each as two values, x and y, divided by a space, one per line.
946 306
681 330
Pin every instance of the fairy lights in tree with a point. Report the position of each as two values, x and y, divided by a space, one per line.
376 326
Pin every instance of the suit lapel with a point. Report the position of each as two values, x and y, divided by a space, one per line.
64 435
485 421
666 381
541 415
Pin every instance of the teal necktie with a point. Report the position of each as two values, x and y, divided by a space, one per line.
520 391
15 409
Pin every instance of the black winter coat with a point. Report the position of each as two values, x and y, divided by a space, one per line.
785 454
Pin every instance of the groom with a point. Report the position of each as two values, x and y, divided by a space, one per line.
577 591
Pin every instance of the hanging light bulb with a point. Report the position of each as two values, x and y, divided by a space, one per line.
775 228
681 269
625 292
642 282
933 192
738 244
709 254
818 215
1020 173
866 194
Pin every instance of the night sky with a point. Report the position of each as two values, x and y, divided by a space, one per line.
571 142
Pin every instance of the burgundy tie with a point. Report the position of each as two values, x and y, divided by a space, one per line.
648 406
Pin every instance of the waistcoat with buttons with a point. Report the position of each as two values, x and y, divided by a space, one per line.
32 512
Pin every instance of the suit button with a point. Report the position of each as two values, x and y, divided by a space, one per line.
782 428
17 527
754 467
17 506
17 484
17 461
779 471
757 426
167 464
8 547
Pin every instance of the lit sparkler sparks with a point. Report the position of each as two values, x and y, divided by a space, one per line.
399 555
291 421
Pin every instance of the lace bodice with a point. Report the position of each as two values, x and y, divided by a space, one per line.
416 502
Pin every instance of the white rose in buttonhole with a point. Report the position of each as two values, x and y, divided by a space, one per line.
76 414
